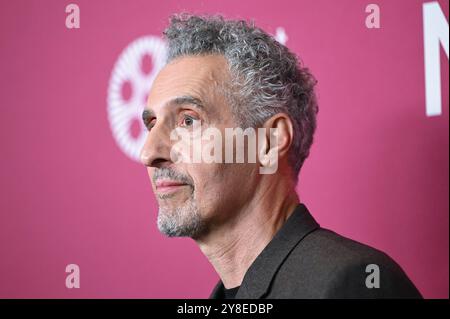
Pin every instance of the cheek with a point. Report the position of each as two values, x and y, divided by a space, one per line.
221 179
209 180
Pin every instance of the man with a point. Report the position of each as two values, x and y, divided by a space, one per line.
250 224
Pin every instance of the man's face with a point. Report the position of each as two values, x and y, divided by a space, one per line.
193 198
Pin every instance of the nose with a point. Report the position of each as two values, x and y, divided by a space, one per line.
156 149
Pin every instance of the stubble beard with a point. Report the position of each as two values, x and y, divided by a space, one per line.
182 221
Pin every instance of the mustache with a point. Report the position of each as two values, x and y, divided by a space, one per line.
173 175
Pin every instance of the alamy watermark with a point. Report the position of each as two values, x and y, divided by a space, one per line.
73 277
210 145
73 17
197 144
373 279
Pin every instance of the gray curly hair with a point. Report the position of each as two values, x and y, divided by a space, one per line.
266 78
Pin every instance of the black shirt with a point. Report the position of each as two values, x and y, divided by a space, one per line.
230 293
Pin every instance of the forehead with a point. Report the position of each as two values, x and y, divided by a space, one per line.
197 76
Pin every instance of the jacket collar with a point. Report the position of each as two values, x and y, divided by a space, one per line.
258 277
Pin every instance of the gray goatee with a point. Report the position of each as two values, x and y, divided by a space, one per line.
184 220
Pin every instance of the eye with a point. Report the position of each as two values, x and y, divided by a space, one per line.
188 120
150 123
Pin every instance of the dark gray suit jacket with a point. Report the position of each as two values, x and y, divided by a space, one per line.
306 261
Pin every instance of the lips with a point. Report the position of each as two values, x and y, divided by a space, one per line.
168 186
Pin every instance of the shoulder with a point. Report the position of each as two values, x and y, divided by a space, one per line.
327 265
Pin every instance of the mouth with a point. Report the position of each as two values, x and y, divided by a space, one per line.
169 186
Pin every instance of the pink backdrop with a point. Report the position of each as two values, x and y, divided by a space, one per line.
378 171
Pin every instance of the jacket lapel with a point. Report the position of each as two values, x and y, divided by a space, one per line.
258 277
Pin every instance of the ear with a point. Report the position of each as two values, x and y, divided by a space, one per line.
277 136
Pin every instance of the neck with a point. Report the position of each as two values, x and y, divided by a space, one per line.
232 247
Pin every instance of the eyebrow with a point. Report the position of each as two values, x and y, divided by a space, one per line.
187 99
179 100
